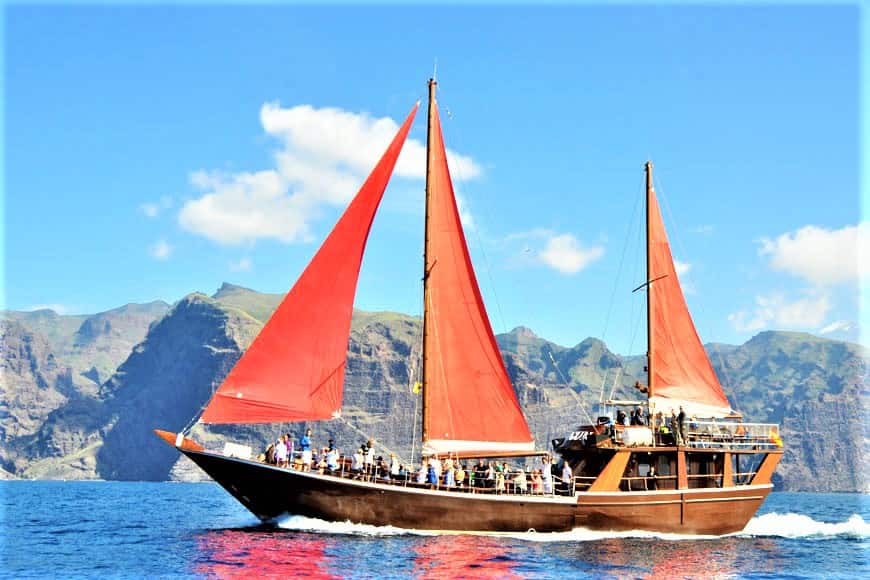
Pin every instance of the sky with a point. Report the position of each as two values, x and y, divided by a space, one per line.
154 151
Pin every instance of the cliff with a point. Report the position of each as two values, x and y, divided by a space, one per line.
56 426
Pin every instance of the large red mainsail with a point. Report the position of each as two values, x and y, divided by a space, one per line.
471 404
294 369
681 371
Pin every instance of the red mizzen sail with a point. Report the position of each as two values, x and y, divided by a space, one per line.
294 369
681 371
471 405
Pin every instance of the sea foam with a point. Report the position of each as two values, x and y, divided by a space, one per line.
788 525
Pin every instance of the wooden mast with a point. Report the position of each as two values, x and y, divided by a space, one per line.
426 266
649 285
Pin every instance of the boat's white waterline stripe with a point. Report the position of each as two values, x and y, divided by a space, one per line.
583 503
445 446
660 492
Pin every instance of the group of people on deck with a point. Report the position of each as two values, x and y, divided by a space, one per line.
437 472
675 423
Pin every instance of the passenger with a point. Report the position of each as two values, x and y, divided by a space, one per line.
653 478
281 452
480 473
357 463
305 446
369 457
546 475
681 425
499 481
675 429
423 473
489 476
460 475
322 464
332 458
435 461
450 477
269 456
431 474
395 467
537 482
521 484
567 478
620 418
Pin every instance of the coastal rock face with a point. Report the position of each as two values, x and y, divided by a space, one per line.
58 423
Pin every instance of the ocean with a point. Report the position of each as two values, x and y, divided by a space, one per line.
177 530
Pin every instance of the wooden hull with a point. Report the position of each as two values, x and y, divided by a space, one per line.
714 511
269 492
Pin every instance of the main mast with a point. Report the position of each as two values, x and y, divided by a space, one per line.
426 267
649 283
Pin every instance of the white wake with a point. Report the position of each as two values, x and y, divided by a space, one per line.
789 525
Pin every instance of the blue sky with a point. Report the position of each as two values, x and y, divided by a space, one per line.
134 136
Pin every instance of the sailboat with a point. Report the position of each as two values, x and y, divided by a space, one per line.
613 477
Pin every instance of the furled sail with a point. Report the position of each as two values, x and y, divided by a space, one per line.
681 371
294 369
470 402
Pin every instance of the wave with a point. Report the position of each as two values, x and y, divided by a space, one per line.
304 524
793 525
788 525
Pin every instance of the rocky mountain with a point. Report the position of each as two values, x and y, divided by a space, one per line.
53 428
52 367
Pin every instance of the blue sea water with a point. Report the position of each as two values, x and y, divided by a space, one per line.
168 530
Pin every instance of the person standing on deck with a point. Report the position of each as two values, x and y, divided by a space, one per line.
305 446
681 426
567 478
546 475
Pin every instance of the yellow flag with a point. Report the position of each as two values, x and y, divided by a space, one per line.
417 388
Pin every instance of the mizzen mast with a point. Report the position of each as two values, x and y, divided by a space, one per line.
649 329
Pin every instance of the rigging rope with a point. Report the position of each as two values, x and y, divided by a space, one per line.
370 438
570 390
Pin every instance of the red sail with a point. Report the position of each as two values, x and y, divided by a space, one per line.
681 370
471 405
294 369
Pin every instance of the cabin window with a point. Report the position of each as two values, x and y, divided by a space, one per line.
704 469
639 474
744 466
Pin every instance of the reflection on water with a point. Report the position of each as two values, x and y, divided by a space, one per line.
344 550
273 552
462 557
245 552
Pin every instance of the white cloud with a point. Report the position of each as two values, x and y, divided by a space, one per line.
776 310
323 157
565 254
153 209
681 268
243 265
820 256
838 326
160 251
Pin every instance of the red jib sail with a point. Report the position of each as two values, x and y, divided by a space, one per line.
294 369
681 371
471 405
